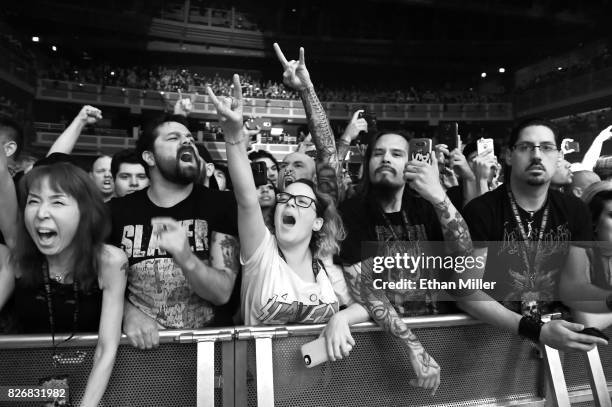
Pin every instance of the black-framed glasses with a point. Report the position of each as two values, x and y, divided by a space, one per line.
302 201
545 148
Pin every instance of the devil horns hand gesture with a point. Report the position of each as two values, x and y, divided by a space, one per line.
295 74
229 110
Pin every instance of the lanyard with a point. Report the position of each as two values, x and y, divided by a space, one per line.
315 263
48 294
527 235
389 226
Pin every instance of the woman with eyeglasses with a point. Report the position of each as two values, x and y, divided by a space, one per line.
63 277
283 279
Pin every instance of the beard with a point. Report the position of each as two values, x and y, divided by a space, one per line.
384 191
178 171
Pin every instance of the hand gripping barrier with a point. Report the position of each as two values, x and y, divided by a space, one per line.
262 366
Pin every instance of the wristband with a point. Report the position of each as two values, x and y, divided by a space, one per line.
530 328
609 302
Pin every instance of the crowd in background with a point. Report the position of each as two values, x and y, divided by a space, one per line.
161 78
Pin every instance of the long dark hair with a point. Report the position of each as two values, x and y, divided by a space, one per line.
92 231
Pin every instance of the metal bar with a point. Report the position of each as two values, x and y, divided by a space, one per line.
205 380
246 333
265 372
554 371
597 378
228 373
90 339
240 373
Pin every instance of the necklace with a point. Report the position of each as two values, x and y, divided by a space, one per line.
59 277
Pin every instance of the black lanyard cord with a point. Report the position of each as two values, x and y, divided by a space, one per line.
49 296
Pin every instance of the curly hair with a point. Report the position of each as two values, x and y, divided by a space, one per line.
90 235
326 241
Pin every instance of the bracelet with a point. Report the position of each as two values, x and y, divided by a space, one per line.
609 302
530 328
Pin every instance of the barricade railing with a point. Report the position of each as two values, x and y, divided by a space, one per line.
263 366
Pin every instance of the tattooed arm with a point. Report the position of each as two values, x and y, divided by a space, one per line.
296 76
382 311
424 179
214 280
454 228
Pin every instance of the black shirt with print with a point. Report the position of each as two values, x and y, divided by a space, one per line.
531 291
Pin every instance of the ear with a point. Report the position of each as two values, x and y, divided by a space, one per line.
147 156
508 157
577 192
10 148
210 169
318 224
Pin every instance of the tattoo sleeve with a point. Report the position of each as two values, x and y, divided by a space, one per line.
454 228
381 310
322 135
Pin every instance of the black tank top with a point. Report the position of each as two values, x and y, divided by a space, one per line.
32 311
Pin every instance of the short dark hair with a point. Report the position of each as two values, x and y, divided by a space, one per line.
127 156
259 154
96 159
516 131
149 132
13 132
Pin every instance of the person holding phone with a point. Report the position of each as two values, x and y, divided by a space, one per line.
389 210
284 281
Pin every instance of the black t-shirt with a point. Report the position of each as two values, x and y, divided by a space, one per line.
455 194
156 285
32 309
364 221
534 290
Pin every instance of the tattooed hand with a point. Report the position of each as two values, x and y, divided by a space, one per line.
426 369
296 75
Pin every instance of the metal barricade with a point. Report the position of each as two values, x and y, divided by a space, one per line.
187 369
583 376
480 365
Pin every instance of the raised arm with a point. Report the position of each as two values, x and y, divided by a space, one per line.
251 225
67 140
297 77
594 151
113 279
8 202
360 282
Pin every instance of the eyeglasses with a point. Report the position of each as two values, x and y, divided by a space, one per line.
545 148
300 200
